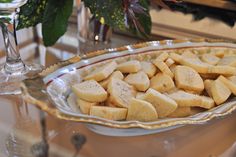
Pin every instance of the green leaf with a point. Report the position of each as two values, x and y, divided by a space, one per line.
55 20
113 13
31 13
144 20
110 10
5 1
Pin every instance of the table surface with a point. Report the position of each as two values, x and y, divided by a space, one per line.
21 128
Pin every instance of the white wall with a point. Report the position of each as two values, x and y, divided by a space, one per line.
177 25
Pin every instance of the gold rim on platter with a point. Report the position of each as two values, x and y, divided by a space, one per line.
34 92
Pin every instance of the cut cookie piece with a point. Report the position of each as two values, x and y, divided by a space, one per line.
139 80
162 83
111 113
141 111
121 92
129 66
102 73
188 79
90 91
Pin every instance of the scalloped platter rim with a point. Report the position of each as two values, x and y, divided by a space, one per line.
49 91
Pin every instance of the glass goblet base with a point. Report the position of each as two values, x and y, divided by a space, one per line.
10 82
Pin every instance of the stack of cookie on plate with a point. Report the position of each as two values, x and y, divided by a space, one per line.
169 85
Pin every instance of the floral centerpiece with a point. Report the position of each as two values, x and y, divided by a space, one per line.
131 15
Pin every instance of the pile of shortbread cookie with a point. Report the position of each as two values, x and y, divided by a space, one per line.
169 85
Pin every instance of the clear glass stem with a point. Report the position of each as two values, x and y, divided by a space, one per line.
14 70
14 65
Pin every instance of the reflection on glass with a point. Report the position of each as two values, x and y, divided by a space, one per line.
93 34
19 142
14 70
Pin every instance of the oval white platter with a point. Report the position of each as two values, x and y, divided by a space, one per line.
49 91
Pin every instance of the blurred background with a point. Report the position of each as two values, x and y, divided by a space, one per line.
166 24
81 37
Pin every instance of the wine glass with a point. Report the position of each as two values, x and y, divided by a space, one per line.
14 70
